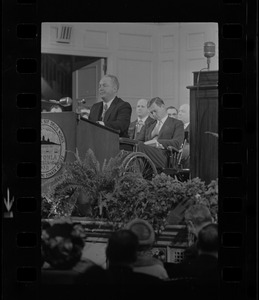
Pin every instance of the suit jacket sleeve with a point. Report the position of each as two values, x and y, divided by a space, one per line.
94 112
122 120
141 136
145 131
131 131
177 136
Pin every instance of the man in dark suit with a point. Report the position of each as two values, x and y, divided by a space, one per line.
112 112
184 116
143 119
205 267
158 135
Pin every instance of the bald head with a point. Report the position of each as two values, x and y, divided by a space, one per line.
141 109
184 113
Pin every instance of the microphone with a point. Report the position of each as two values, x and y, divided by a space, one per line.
82 101
209 51
67 101
79 105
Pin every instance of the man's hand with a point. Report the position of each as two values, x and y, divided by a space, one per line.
151 142
100 122
154 143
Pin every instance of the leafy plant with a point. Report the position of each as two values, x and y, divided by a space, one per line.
135 197
83 178
118 196
210 199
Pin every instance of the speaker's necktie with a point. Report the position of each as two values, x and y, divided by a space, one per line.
155 131
105 107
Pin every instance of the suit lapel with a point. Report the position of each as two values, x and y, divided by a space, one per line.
110 109
150 128
98 111
164 126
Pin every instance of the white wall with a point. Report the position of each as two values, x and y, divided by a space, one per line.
149 59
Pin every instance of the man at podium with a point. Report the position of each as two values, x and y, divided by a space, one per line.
112 111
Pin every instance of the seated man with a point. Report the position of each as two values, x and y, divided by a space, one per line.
172 112
158 135
143 119
205 267
196 217
146 263
121 254
184 116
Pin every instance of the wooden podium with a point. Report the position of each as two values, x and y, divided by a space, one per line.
64 132
204 122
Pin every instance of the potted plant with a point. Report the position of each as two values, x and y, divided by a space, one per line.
84 184
107 193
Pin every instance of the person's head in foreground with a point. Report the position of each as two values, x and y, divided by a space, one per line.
207 242
62 244
144 232
197 216
122 248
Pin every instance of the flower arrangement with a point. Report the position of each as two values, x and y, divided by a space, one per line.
118 197
135 197
62 244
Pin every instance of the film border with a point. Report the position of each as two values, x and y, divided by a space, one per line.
237 161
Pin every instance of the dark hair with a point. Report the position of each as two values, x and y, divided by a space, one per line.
208 238
122 247
172 107
158 101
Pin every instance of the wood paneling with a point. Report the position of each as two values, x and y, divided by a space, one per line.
96 39
203 119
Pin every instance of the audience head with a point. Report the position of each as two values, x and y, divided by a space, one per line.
208 239
122 248
184 113
144 231
197 216
157 108
62 244
141 109
172 112
108 87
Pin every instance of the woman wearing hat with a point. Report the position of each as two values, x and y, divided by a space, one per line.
146 263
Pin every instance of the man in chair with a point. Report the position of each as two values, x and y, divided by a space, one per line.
143 119
158 135
184 116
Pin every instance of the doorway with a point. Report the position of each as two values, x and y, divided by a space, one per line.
71 76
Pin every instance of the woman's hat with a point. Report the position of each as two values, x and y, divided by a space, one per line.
143 230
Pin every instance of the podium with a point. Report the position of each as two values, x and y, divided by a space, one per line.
203 123
64 132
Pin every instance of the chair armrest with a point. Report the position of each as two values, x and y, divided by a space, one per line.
127 141
172 149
